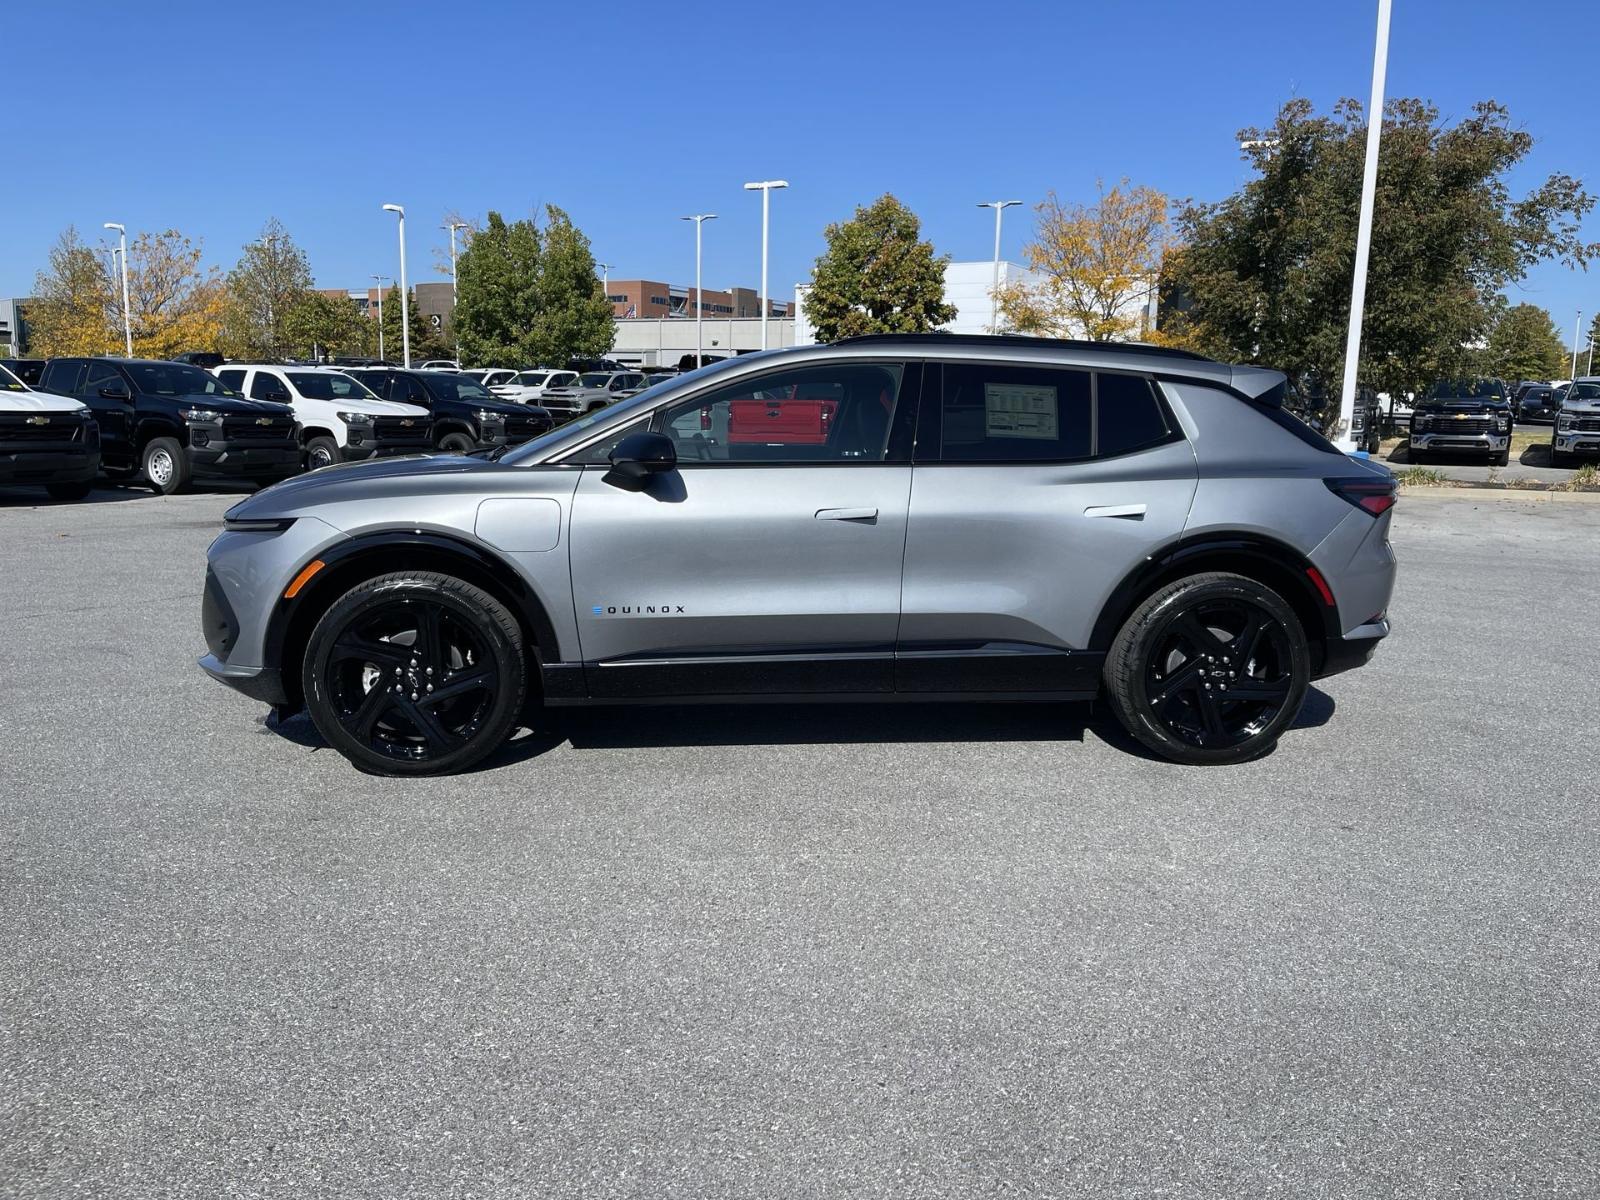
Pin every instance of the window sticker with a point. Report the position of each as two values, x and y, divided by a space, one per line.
1015 410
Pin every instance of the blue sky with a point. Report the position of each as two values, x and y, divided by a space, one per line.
212 117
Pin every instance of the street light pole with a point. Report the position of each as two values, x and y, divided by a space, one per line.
378 279
1369 188
405 320
605 277
454 295
999 207
127 312
765 187
1577 332
699 220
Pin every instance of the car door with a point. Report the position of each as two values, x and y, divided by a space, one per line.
114 415
1036 491
769 560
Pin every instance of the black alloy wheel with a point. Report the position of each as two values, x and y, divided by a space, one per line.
1210 669
415 673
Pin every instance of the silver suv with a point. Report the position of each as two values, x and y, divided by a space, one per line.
899 517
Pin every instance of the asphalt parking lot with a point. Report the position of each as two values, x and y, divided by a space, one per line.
799 952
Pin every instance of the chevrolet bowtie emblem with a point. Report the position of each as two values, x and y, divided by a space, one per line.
407 422
38 420
263 420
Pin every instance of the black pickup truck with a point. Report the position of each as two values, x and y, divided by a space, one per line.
170 422
466 415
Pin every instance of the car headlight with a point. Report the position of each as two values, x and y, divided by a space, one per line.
485 417
1422 421
1505 423
355 418
1565 422
201 416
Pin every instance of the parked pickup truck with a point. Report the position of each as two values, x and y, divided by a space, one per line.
170 422
46 440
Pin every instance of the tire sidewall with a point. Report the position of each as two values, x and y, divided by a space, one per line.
468 604
1144 631
455 443
324 445
179 475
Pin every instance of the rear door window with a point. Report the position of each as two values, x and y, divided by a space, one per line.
62 378
993 413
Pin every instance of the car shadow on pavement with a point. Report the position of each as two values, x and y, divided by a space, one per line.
647 727
1536 455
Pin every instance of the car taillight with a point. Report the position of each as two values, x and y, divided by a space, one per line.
1375 496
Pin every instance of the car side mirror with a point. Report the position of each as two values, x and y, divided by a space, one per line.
115 391
639 456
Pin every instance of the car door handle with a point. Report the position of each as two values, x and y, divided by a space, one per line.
847 514
1128 512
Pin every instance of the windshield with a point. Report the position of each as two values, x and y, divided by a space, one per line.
622 411
176 379
594 379
314 385
10 383
1584 390
1468 389
531 379
455 387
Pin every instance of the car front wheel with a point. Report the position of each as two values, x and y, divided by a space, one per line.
415 673
456 443
1209 670
165 465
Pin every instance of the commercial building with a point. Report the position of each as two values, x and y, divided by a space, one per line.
670 341
644 299
14 327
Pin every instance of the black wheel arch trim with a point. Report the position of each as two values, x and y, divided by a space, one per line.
292 619
1214 551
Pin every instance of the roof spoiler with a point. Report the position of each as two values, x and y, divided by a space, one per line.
1264 386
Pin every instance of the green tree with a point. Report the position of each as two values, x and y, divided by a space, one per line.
1265 274
877 276
425 341
76 309
321 324
1525 345
496 284
270 280
572 318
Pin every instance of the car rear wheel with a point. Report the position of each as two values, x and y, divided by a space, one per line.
415 673
1210 669
165 465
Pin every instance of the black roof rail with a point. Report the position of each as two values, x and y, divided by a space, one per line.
1017 339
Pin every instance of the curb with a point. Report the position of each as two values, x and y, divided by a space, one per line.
1470 491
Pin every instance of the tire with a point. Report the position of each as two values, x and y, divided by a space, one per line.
67 491
1169 674
321 452
1417 457
1559 458
1503 459
164 465
362 640
457 443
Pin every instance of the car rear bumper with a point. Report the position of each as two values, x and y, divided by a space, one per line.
1353 650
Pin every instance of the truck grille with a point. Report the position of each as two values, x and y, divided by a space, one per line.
1587 424
520 429
1449 426
269 431
27 428
403 431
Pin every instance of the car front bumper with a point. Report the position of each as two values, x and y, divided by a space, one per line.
1576 442
48 466
223 460
1466 443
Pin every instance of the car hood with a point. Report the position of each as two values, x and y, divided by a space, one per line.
382 408
313 487
1587 407
1463 405
234 406
37 402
